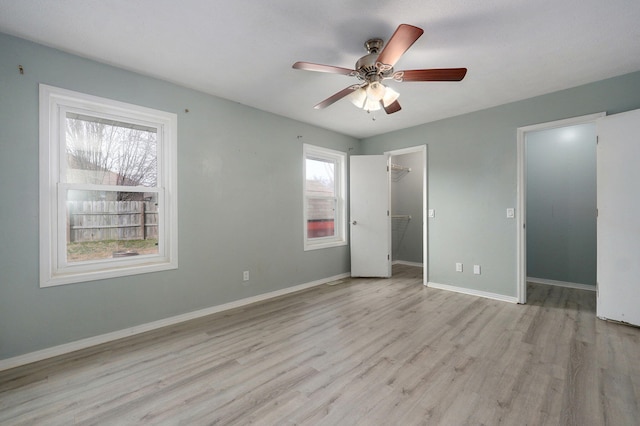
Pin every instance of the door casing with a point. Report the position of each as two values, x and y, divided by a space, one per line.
521 206
422 150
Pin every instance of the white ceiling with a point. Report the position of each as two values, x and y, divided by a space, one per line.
243 50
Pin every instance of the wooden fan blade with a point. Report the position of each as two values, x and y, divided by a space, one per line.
393 107
401 40
443 74
308 66
341 94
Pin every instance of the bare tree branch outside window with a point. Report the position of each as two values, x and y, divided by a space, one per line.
108 152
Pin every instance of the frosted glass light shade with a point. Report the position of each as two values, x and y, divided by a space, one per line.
390 96
358 97
375 91
373 96
372 105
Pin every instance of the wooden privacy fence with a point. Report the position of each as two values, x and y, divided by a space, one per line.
111 220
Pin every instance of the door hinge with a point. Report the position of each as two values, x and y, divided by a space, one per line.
387 212
597 140
387 168
388 257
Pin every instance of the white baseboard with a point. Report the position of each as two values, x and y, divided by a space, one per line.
404 262
472 292
561 283
19 360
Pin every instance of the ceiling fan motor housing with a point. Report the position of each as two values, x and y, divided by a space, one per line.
368 67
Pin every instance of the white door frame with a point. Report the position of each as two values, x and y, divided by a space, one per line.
425 242
521 207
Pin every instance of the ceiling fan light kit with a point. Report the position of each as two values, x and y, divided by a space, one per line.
377 66
375 91
374 97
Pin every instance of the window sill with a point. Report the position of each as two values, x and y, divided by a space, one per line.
78 277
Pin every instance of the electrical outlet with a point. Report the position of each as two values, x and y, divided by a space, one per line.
431 213
476 269
458 267
245 276
511 213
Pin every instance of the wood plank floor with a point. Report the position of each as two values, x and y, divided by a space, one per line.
359 352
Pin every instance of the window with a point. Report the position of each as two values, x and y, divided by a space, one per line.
107 188
324 197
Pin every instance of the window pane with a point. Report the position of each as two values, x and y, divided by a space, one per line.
320 177
324 194
109 224
108 152
321 217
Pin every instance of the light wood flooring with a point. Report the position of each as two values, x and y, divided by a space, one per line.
360 352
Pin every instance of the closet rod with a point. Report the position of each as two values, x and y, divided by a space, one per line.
401 216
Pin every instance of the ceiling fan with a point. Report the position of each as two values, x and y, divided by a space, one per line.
377 66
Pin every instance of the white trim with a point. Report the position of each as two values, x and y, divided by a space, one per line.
19 360
561 283
521 207
404 262
574 121
472 292
425 204
521 217
409 150
54 269
340 182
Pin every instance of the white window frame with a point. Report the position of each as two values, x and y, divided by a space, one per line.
340 182
54 269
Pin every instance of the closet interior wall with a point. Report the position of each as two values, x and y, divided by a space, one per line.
406 208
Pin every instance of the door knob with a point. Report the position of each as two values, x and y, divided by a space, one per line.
355 222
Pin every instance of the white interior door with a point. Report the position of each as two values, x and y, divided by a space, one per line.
370 221
618 268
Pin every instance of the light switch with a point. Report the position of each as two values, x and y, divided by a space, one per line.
431 213
476 269
458 267
511 213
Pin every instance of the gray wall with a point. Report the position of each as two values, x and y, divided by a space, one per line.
472 177
244 168
240 205
561 204
406 199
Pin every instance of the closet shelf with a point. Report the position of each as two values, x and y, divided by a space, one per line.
401 216
400 168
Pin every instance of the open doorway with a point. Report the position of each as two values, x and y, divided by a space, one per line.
408 186
557 204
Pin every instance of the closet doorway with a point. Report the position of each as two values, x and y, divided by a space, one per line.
408 186
557 204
